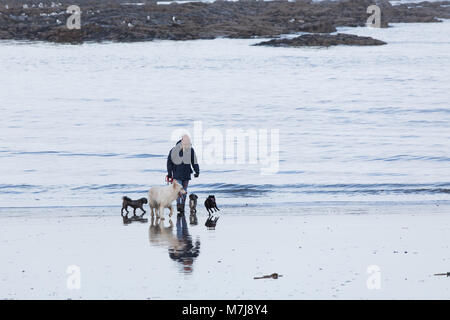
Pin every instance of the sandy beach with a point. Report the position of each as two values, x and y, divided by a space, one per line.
323 252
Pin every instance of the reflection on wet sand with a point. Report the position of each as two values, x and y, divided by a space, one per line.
193 219
180 245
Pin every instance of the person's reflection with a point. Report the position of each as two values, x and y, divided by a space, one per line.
187 251
181 247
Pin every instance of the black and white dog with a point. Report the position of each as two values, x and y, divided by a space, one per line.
193 209
193 203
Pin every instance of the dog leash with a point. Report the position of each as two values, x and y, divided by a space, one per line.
169 180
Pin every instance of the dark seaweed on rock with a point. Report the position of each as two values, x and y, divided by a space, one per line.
323 40
114 20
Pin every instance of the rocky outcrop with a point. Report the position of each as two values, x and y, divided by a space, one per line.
115 20
418 12
323 40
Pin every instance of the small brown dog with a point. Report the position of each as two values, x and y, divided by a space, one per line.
135 204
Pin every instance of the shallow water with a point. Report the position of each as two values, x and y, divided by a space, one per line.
84 125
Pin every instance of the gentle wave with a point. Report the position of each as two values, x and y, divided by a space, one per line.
84 154
405 157
399 157
249 189
391 188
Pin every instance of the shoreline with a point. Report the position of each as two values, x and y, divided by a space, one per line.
253 207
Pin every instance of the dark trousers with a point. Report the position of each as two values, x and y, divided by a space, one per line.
181 200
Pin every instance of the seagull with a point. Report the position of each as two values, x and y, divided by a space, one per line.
6 6
25 6
175 20
130 25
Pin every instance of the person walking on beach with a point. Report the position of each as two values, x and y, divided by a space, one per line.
180 161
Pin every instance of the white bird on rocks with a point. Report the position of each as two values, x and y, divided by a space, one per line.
6 6
175 20
41 5
130 25
25 6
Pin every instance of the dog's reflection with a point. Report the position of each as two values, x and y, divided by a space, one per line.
180 245
193 219
160 234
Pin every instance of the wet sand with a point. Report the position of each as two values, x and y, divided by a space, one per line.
323 252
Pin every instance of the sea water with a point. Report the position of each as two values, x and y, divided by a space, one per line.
83 125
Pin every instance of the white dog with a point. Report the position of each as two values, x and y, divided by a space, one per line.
162 197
